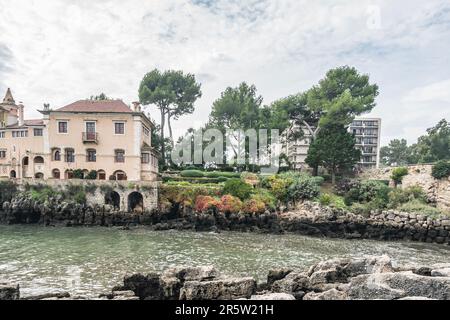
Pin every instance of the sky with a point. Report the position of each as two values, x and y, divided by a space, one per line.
58 52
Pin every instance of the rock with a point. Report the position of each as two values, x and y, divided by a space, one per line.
398 285
277 274
56 295
294 283
221 289
332 294
145 287
273 296
9 292
124 295
444 272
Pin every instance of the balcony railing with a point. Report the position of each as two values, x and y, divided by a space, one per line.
90 137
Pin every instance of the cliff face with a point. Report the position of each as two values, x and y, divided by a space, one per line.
438 191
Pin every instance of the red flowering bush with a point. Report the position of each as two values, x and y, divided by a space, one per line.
204 203
228 203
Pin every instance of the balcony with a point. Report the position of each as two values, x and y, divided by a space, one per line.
90 137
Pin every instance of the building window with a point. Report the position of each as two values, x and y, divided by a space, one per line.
20 134
38 132
2 154
101 175
145 158
119 128
56 174
56 155
62 127
2 134
91 155
70 155
119 155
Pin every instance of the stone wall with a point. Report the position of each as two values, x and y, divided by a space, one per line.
438 191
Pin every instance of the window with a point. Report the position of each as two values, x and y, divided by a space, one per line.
119 128
146 130
56 174
70 155
2 134
91 155
62 127
119 155
101 175
57 155
145 158
2 154
20 134
38 132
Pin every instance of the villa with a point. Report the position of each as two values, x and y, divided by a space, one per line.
105 137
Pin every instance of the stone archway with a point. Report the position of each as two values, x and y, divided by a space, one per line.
113 198
135 202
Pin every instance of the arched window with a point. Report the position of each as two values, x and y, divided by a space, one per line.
68 174
25 161
38 159
119 175
101 175
56 174
13 174
56 154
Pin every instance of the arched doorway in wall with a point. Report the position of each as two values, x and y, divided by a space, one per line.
39 175
135 202
13 174
113 198
118 175
56 174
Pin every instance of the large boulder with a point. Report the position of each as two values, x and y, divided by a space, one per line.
145 287
397 285
220 289
295 283
9 292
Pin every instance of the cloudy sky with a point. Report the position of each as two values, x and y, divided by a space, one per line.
59 51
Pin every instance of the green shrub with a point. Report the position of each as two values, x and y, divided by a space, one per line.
41 193
398 197
303 188
418 206
90 188
398 174
237 188
8 190
266 197
78 174
92 175
441 169
367 191
192 173
332 200
222 174
318 180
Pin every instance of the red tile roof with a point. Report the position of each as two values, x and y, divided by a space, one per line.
34 122
96 106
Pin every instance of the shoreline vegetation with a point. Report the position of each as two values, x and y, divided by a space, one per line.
286 202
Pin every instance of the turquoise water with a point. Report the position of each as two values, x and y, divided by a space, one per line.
89 261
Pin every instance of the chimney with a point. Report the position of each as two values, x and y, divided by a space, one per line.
20 113
136 106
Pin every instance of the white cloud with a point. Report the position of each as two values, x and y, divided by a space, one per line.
61 51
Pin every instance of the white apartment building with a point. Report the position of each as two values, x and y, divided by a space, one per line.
367 133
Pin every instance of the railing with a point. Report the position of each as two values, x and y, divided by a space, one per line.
90 136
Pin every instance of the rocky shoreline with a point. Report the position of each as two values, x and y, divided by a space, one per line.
368 278
308 218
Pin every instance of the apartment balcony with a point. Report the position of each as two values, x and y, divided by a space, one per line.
90 137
